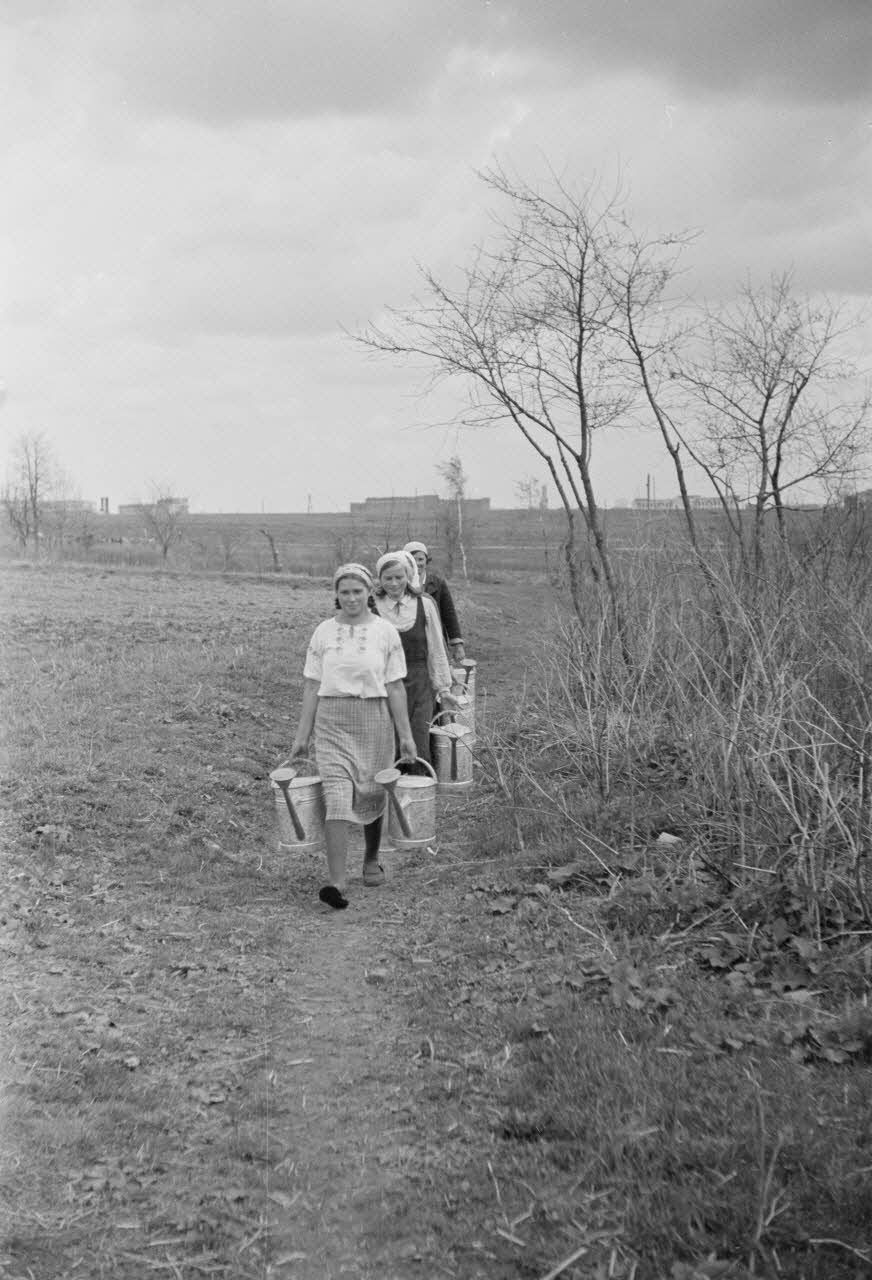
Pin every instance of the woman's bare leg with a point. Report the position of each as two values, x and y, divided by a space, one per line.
336 840
372 842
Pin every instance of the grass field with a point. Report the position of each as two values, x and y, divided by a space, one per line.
498 542
554 1046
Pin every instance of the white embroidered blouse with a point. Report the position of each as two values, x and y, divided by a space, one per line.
354 661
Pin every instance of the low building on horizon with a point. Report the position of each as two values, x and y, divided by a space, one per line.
174 506
695 501
418 505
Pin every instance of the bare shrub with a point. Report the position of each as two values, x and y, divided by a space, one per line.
757 757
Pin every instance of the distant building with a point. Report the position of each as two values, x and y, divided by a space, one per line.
861 499
695 501
420 505
174 506
66 506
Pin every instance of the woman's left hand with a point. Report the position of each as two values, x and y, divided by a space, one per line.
449 700
408 750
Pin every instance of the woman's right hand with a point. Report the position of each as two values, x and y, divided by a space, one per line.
299 750
408 750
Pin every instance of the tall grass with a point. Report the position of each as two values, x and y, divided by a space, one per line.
757 753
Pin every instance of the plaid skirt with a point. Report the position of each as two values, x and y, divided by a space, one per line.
354 739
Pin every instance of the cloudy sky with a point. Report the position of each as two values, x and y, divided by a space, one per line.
201 197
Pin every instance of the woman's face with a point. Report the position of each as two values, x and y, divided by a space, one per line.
352 595
393 578
420 560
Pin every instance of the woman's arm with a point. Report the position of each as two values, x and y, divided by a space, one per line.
300 746
438 667
399 709
450 620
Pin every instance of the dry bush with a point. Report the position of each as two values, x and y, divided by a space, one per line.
758 755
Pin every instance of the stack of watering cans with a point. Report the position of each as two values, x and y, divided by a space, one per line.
452 734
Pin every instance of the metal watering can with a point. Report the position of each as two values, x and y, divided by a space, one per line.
451 751
299 809
412 805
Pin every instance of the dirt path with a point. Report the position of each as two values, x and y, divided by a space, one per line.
344 1087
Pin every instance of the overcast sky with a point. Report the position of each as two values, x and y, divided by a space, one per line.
200 197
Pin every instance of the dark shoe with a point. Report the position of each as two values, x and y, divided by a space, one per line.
333 897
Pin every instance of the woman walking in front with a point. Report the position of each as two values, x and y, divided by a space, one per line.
354 702
400 600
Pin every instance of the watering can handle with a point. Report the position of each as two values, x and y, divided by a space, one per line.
439 715
290 763
418 760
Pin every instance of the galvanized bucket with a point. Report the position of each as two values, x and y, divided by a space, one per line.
412 804
451 751
299 808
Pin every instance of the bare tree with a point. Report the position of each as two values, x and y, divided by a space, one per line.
276 560
527 492
536 330
228 540
164 518
455 479
84 528
29 483
390 536
776 405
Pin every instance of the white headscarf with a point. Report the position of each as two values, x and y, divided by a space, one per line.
406 560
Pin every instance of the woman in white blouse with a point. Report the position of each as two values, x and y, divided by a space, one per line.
354 701
401 602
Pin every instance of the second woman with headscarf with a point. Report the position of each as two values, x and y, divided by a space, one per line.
400 600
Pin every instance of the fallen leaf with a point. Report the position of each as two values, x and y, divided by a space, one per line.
502 906
563 875
285 1201
211 1097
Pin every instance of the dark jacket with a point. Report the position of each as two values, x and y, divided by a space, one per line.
436 586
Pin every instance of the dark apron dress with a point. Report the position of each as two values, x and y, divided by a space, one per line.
419 691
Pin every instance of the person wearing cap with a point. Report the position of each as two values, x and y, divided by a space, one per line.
436 587
400 600
354 703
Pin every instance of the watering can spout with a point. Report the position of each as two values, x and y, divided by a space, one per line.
388 778
283 779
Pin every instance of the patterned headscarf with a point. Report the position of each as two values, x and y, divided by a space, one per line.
416 546
353 570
